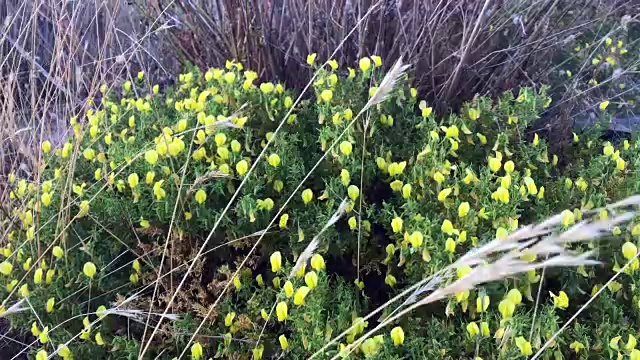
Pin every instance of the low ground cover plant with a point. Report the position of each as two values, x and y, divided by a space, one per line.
322 207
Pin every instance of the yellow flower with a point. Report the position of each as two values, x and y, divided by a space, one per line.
64 352
576 346
46 146
635 353
509 166
442 195
283 221
425 112
524 346
37 276
447 227
196 350
406 191
311 59
397 335
514 296
6 268
506 308
629 250
300 295
473 329
474 114
364 64
450 245
311 279
326 95
242 167
604 104
58 252
133 180
631 343
568 218
89 269
228 319
42 355
89 154
390 280
438 177
307 196
416 239
201 196
482 303
561 300
282 311
396 185
151 156
24 290
620 164
353 192
346 148
484 329
267 87
396 224
317 262
333 64
50 304
276 261
84 209
288 289
99 339
463 209
494 164
396 168
284 344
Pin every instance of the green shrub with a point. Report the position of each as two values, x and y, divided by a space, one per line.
404 192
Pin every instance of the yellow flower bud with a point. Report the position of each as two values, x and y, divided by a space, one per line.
307 196
242 167
276 261
282 311
397 335
396 224
37 276
346 148
406 191
288 289
228 319
274 160
482 303
46 146
506 308
629 250
50 304
311 59
196 350
89 269
201 196
463 209
353 192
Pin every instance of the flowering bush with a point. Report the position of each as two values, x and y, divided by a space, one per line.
111 252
